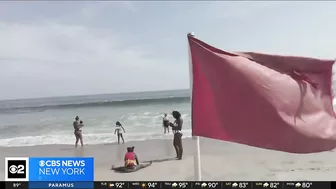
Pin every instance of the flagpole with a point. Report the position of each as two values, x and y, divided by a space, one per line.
333 79
197 155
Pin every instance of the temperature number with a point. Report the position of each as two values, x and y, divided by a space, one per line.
183 184
212 184
243 184
152 184
119 184
306 184
274 185
16 185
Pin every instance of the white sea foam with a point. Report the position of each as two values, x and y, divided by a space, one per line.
97 138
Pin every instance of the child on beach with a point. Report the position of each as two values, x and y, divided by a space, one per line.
118 131
165 123
131 159
131 162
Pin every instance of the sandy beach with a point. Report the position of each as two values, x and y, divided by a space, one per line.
220 161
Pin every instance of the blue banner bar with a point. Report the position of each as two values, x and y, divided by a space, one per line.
61 185
61 169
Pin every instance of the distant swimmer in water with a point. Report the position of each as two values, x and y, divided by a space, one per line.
118 132
165 123
78 131
177 130
131 159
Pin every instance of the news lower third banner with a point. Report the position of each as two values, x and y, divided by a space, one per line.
51 172
61 169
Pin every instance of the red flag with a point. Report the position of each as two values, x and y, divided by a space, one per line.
275 102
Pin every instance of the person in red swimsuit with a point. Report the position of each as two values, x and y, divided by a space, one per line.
131 159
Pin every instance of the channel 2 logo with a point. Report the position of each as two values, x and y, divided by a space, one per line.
16 169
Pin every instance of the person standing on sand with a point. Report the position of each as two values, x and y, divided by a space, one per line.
77 131
177 130
165 123
118 131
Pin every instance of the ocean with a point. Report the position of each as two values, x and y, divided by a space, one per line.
47 121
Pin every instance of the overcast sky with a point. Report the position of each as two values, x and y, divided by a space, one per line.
82 47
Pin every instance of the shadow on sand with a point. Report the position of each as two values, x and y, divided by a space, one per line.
144 164
123 169
160 160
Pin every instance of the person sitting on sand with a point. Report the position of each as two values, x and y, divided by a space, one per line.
131 159
131 163
118 131
77 131
165 123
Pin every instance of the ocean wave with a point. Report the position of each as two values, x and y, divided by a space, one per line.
97 138
131 102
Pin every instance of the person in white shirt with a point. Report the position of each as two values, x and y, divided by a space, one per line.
118 131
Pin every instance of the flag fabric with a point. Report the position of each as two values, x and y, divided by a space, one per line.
275 102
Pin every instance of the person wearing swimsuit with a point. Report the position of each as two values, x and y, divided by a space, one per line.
118 131
131 159
165 123
77 131
177 130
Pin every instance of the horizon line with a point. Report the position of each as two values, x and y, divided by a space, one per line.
96 94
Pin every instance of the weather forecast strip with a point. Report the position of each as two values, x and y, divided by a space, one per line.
166 185
213 185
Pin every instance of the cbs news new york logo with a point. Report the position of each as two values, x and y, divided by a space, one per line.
16 168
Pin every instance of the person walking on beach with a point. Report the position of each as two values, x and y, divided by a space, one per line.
177 130
118 131
165 123
77 131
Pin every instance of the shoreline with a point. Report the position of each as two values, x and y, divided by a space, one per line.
220 161
155 136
